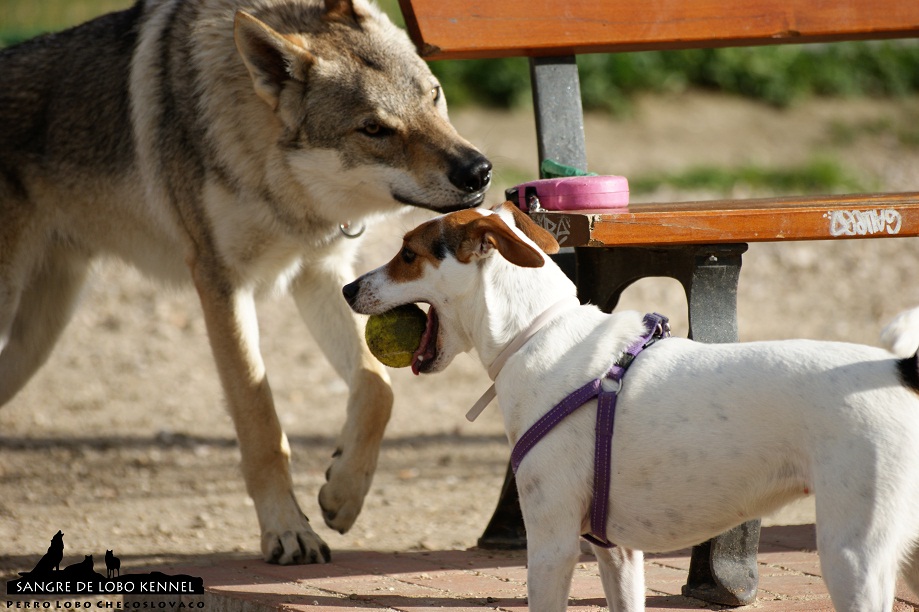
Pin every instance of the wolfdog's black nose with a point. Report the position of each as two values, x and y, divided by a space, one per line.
473 175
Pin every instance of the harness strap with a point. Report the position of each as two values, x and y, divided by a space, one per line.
552 418
657 327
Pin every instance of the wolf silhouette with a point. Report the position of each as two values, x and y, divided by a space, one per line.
112 564
81 570
52 559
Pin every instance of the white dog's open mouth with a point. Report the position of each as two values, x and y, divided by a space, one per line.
423 359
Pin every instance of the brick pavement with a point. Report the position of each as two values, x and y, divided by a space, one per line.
474 580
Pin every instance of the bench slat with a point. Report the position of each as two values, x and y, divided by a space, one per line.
462 29
733 221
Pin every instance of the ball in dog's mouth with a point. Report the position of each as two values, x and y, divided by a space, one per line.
404 336
395 336
423 358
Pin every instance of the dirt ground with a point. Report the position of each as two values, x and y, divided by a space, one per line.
121 441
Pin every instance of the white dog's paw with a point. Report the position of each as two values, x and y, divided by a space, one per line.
342 497
901 336
295 546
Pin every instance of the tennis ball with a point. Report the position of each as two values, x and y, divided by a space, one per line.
395 335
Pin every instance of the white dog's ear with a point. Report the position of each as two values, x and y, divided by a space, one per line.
272 59
490 233
537 234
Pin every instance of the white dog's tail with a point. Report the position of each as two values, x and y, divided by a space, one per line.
901 336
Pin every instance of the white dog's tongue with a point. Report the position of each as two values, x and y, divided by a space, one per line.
427 350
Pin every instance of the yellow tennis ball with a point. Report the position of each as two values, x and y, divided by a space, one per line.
395 335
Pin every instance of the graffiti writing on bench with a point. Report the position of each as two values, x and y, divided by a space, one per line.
560 228
864 222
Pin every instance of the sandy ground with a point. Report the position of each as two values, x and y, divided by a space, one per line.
121 441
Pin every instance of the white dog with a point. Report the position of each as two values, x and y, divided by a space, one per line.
706 436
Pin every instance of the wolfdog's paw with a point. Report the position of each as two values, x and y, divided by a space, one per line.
342 497
295 547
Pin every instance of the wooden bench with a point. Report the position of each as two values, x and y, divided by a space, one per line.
699 243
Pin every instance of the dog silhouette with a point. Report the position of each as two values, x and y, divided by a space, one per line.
52 559
112 564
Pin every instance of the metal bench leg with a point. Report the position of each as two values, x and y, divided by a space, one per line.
505 530
722 570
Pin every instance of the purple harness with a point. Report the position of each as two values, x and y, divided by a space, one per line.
657 327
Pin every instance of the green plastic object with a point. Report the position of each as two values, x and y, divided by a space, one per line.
549 168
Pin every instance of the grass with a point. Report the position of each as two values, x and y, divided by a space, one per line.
819 175
848 134
23 19
776 75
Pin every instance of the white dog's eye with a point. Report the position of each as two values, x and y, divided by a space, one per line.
408 255
435 94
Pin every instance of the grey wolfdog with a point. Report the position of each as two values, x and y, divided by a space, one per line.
229 142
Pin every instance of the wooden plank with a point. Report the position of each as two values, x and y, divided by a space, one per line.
460 29
732 221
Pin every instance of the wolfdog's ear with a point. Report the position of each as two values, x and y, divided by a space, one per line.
490 232
270 57
537 234
341 10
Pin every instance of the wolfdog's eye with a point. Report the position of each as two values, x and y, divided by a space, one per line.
435 94
408 255
375 130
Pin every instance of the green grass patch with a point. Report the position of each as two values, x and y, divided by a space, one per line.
820 175
777 75
850 133
23 19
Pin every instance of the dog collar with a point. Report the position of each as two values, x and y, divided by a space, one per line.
656 327
515 345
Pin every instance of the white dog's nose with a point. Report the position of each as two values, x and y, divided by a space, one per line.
351 290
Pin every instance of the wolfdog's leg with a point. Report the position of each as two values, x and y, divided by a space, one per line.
232 329
340 334
31 321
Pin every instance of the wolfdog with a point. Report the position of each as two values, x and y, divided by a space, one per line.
235 143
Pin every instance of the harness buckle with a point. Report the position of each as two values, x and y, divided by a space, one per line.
608 381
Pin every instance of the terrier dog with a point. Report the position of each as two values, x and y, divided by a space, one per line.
706 436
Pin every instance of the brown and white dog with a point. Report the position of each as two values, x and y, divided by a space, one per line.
706 436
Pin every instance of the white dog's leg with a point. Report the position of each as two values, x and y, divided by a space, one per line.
31 321
340 335
552 552
549 571
233 333
623 574
859 564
